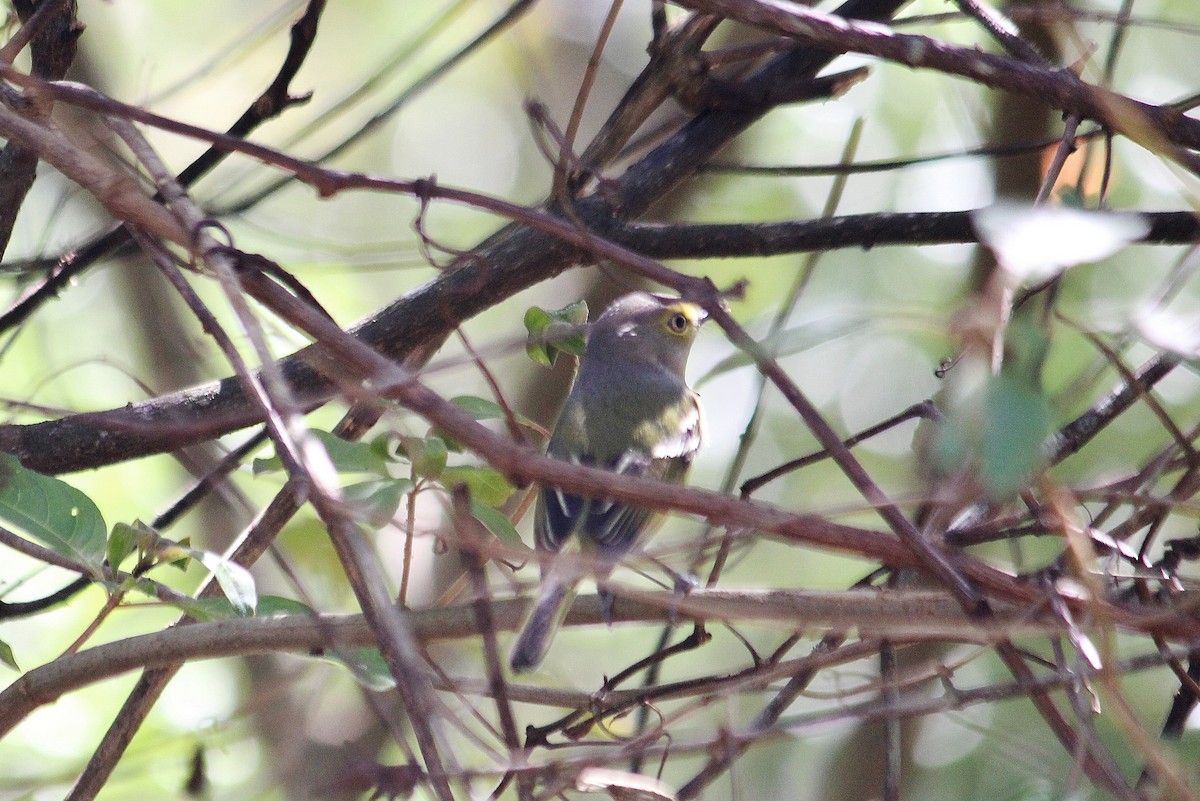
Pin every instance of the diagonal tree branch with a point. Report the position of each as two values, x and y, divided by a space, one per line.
273 101
513 259
1160 129
52 30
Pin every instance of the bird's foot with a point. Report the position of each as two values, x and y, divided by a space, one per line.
606 606
684 584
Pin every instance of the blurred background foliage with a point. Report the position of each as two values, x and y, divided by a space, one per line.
865 340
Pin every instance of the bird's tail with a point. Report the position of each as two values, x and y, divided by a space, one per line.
541 623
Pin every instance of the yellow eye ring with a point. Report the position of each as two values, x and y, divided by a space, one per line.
678 323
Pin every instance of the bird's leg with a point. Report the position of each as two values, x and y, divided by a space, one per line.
682 585
607 597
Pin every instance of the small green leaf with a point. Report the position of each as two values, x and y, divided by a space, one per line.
235 580
206 610
427 455
375 502
53 512
575 314
270 464
537 320
950 444
178 554
125 539
484 409
6 656
384 446
452 445
568 338
209 609
496 522
999 424
487 484
479 408
552 332
1016 422
367 666
352 457
347 456
278 606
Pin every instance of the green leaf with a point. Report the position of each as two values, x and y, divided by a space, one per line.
278 606
479 408
53 512
427 455
496 522
6 656
484 409
375 502
452 445
367 665
951 444
209 609
125 539
384 446
1000 426
235 580
552 332
537 320
270 464
347 456
487 484
206 610
1016 422
178 554
352 457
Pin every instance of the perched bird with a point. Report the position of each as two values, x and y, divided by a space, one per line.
630 411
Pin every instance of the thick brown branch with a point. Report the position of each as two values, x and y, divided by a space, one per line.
736 240
506 264
513 259
51 27
272 102
902 614
1158 128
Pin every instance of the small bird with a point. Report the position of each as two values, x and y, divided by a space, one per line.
630 411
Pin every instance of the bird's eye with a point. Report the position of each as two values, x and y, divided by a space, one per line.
677 323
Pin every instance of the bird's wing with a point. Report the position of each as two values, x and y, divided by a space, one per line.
614 527
558 513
